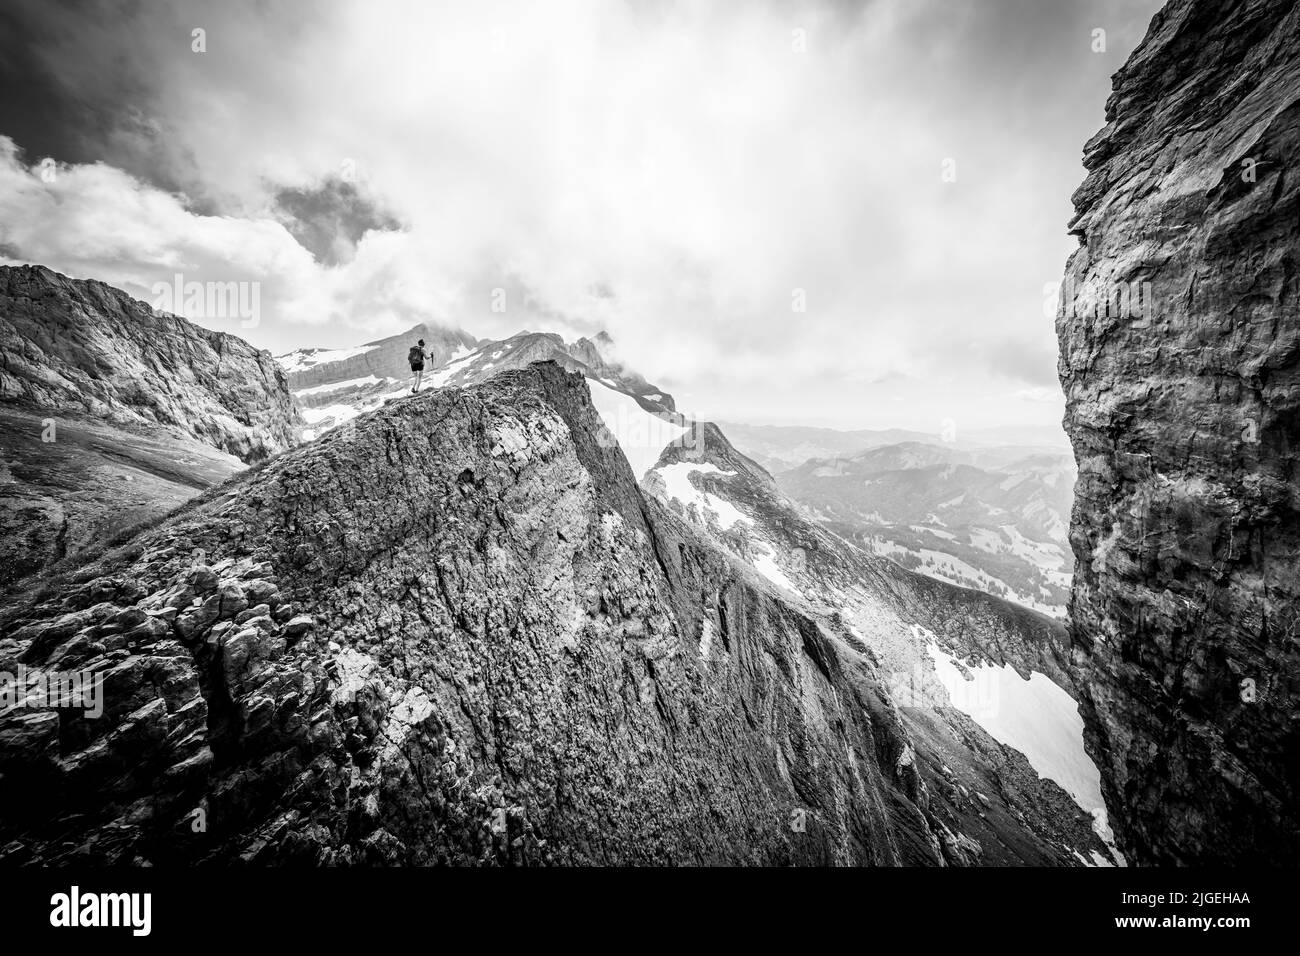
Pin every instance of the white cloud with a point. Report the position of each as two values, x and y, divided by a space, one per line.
669 172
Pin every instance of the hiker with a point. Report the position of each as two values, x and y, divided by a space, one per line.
416 357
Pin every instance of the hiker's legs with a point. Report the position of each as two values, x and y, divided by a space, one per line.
419 375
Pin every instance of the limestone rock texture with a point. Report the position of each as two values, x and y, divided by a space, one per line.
1183 405
894 617
82 346
112 415
451 631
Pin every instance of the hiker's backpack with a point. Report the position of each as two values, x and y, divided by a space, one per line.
416 355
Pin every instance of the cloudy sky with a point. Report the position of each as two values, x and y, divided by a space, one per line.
684 175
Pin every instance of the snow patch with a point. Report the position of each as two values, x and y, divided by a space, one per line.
677 480
338 386
765 564
1035 717
442 375
706 638
938 532
986 540
302 359
336 414
641 435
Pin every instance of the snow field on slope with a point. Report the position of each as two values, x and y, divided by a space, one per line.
300 360
678 482
1035 717
641 435
338 386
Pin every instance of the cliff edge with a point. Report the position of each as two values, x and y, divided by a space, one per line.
1179 333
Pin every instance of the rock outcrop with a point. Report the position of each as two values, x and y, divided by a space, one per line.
901 621
451 631
70 485
1180 359
81 346
112 415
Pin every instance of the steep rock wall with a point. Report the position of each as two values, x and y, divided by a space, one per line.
1180 358
83 346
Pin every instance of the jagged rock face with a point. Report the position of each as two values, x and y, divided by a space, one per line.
1184 411
111 416
897 619
451 631
83 346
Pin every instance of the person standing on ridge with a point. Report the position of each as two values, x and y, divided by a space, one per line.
416 357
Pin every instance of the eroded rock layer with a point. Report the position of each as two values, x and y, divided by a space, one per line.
85 347
451 631
1180 358
112 415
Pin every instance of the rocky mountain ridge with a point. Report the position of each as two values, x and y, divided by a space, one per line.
335 386
386 358
112 415
961 664
86 347
451 631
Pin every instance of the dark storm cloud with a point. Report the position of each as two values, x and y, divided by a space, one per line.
76 90
104 80
35 108
330 220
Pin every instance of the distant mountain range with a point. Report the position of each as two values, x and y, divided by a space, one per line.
994 519
781 447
